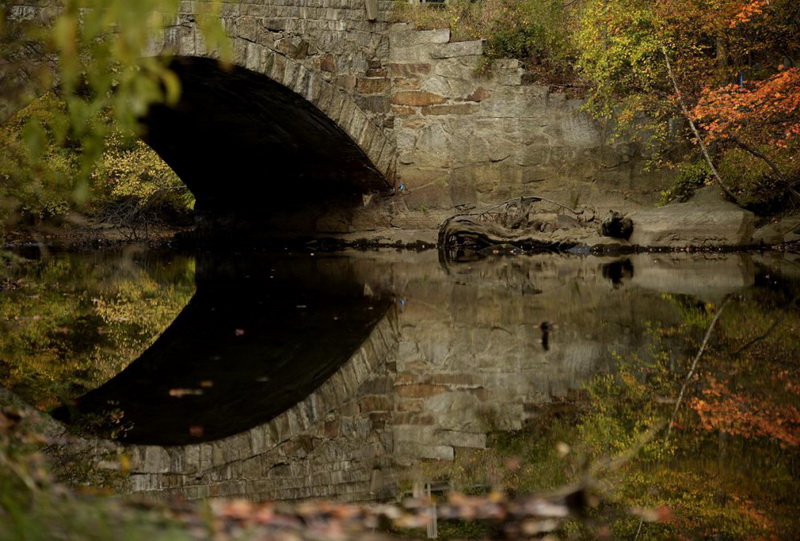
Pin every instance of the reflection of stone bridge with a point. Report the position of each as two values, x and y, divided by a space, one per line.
325 105
437 374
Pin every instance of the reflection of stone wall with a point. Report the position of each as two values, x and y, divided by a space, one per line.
460 355
470 356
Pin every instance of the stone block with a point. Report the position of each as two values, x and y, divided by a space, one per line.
420 390
403 83
328 63
403 110
417 98
507 72
479 94
374 104
420 450
409 69
459 48
156 460
375 403
399 38
417 177
456 68
705 220
451 109
372 85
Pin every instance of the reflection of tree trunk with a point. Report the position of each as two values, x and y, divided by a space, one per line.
720 495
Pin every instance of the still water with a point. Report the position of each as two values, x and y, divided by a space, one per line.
352 376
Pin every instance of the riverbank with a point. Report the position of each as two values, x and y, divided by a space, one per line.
707 222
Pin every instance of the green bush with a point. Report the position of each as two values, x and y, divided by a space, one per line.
537 32
756 185
130 185
692 176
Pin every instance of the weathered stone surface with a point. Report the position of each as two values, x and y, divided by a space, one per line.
417 99
451 109
479 94
783 230
409 69
372 85
406 36
705 220
459 48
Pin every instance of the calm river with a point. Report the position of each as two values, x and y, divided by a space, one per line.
353 376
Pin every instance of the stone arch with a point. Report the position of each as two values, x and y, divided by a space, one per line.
337 104
257 153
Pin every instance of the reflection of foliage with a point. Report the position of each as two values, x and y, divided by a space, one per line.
730 468
70 323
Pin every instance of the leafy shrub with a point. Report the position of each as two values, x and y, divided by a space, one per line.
130 185
756 185
536 32
35 173
692 176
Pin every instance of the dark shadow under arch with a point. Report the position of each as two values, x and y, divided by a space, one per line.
248 147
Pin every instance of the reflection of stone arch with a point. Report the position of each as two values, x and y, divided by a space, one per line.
333 444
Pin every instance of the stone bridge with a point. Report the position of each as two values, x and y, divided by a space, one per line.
334 119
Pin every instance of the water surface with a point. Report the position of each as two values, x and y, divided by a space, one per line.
350 376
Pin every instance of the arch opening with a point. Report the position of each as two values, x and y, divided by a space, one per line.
255 153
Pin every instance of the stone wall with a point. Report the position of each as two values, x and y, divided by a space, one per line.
469 139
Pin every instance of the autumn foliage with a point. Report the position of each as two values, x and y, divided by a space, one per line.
736 65
739 414
762 113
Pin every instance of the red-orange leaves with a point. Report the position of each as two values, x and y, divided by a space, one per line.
737 414
762 113
747 11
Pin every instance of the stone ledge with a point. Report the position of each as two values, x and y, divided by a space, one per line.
404 35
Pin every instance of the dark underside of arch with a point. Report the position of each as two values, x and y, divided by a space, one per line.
247 146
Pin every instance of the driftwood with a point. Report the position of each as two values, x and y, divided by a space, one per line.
508 227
